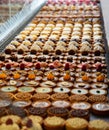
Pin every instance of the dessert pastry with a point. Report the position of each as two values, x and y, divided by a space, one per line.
82 85
23 96
61 104
15 119
59 96
79 91
100 109
22 104
5 103
26 89
48 84
79 113
37 111
34 118
78 98
97 98
98 125
46 90
81 105
54 123
61 90
40 96
9 89
60 112
10 125
31 126
97 92
65 84
99 85
76 124
42 104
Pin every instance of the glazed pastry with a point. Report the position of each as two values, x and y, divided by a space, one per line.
97 92
43 90
61 90
48 83
54 123
60 112
22 104
79 91
78 98
26 89
81 113
98 125
81 105
9 89
76 124
65 84
100 109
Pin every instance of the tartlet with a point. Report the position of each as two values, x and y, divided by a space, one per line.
76 124
61 104
46 90
97 92
61 90
9 89
81 113
78 98
59 96
40 96
54 123
79 91
100 109
26 89
22 104
60 112
42 104
81 105
98 125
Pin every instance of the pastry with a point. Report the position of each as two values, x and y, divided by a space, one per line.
23 96
22 104
54 123
56 111
81 105
43 90
42 104
79 91
48 84
37 111
59 96
61 90
9 89
15 119
98 125
97 92
97 98
76 124
26 89
65 84
61 103
100 109
78 98
81 113
40 96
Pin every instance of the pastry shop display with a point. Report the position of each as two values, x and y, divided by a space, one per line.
54 123
72 124
56 69
100 109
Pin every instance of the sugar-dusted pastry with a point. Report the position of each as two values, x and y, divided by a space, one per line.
54 123
100 109
76 124
98 125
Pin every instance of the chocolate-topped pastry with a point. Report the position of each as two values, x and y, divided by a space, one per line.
8 51
71 52
100 108
55 58
42 59
33 52
79 113
2 57
97 60
55 111
69 59
28 59
45 52
38 111
14 58
58 52
20 51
